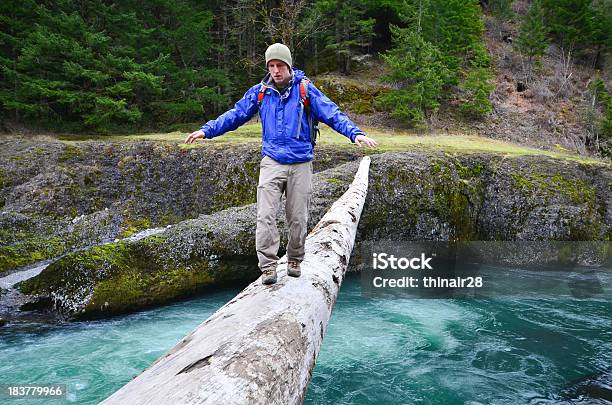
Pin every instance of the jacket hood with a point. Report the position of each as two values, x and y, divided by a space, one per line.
297 76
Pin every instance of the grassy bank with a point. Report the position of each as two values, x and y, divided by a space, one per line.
389 141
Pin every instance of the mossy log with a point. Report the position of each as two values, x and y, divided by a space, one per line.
261 347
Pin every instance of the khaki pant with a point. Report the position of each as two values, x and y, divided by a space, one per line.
295 180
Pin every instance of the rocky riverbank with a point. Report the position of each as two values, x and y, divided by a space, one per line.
56 197
207 194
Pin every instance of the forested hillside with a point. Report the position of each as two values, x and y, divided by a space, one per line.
103 66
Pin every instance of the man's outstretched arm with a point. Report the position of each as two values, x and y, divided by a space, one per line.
243 111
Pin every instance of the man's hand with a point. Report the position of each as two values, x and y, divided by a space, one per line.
194 135
364 140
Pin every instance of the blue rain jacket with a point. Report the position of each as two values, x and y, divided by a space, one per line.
279 115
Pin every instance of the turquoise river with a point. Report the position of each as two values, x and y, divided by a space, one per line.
376 351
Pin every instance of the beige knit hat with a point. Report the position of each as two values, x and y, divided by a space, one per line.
280 52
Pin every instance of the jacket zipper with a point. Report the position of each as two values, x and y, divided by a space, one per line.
300 121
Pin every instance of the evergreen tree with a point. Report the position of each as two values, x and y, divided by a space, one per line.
456 28
476 88
64 67
572 23
601 29
417 67
445 40
134 65
105 66
352 30
602 99
532 40
501 9
16 21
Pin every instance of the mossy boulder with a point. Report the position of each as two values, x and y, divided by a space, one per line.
438 196
350 94
125 276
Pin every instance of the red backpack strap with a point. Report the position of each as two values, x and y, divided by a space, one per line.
304 96
261 94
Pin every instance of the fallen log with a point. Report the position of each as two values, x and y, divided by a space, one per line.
261 347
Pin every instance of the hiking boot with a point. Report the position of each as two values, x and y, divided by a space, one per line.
293 268
268 275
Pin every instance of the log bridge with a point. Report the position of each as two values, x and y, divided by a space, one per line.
261 347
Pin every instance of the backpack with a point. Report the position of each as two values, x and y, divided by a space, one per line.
305 105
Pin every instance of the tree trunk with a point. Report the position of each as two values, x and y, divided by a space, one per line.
339 40
261 346
316 57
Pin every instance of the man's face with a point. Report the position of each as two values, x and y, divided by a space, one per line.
281 74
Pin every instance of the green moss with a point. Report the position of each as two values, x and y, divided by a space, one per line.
240 188
169 218
115 254
197 181
3 179
335 181
77 266
522 182
587 230
30 251
128 276
70 152
457 189
251 169
375 219
350 94
139 173
453 200
578 191
435 167
88 180
453 206
123 290
400 176
133 225
468 172
134 290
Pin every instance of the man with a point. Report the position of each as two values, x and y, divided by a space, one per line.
287 152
